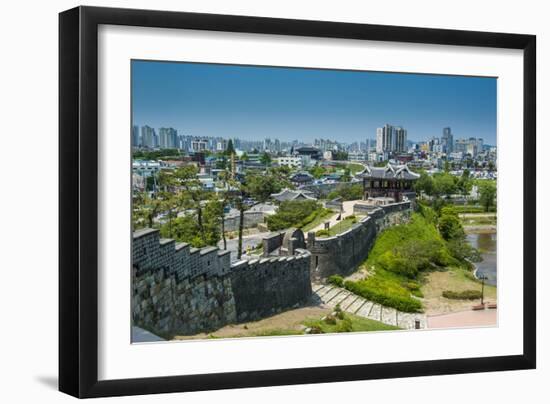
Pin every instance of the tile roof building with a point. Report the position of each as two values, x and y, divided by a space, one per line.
395 181
291 195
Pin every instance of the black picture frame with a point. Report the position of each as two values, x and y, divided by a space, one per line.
78 201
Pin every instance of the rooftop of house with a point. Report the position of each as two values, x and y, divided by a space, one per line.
390 171
292 195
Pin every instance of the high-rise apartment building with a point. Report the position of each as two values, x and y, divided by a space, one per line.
400 140
136 140
148 137
447 140
391 139
168 138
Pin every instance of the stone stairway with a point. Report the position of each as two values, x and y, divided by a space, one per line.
331 296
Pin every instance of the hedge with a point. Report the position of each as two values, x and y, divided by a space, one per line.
401 303
466 294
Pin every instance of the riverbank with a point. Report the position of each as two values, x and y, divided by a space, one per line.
482 228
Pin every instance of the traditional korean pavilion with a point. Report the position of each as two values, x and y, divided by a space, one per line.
395 181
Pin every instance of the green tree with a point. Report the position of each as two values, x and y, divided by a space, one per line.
487 194
265 159
230 149
222 163
464 184
192 194
339 155
317 171
346 177
450 226
261 186
444 184
348 192
226 195
145 210
293 214
424 184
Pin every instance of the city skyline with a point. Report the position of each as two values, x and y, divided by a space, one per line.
253 103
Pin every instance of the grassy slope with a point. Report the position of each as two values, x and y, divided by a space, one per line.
357 323
386 283
342 226
323 216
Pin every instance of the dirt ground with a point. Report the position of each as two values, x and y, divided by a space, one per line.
453 279
290 320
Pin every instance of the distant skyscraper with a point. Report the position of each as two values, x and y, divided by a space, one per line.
391 139
400 139
447 140
136 141
384 139
168 138
148 137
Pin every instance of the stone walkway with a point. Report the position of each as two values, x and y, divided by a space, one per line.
331 295
347 210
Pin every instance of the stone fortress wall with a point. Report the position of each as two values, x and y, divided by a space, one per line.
177 289
341 254
251 219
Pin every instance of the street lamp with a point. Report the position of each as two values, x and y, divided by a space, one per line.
483 279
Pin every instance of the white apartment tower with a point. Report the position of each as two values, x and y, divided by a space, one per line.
391 139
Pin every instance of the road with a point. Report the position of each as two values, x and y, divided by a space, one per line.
251 241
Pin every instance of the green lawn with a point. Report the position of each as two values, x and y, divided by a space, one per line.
355 168
343 225
318 220
472 220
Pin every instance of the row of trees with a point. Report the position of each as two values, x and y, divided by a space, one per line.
444 185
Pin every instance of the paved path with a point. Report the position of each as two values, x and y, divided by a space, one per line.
347 210
469 318
332 295
251 241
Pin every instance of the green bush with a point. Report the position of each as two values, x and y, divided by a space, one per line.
348 192
330 319
344 325
417 293
412 285
336 280
322 233
338 312
464 295
410 248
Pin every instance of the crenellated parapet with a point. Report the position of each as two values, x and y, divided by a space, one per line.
152 253
178 289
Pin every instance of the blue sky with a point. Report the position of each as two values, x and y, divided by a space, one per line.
253 102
